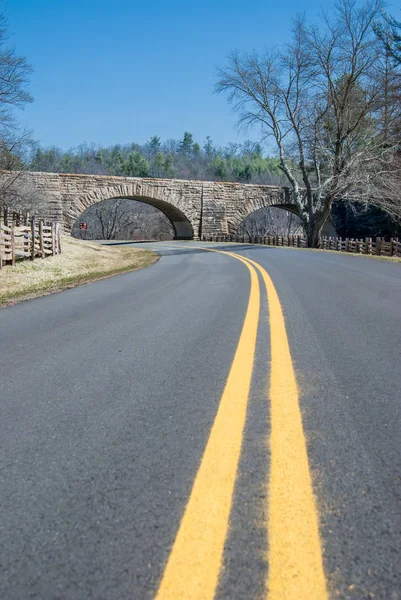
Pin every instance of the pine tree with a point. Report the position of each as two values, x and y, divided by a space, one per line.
186 143
154 144
390 34
208 146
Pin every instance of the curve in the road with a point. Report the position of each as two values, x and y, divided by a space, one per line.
193 569
295 553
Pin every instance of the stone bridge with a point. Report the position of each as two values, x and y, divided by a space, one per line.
195 208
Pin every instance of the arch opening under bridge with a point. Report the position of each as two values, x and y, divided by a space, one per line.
249 211
182 226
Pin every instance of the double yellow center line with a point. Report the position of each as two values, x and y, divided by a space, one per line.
295 566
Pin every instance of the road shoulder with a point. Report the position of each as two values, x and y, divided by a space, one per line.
79 263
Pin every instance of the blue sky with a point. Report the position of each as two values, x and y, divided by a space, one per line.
121 71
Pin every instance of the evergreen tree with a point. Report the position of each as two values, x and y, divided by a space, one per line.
196 149
208 147
186 143
136 165
219 168
390 34
169 167
154 144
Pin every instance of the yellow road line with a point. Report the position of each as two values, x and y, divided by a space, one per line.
193 568
295 553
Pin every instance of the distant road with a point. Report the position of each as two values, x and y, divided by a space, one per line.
224 424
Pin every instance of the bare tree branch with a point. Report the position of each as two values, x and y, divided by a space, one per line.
322 101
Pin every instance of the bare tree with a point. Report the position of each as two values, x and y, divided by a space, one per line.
320 101
270 221
19 192
110 216
124 219
14 80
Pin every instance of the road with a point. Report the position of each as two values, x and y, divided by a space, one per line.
187 432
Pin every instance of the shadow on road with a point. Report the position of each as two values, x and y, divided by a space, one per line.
237 248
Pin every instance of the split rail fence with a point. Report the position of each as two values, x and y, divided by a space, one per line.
24 237
374 246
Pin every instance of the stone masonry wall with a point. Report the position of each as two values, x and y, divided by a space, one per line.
194 207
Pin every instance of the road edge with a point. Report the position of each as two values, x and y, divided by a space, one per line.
73 282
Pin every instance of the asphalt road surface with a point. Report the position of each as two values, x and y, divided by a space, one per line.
217 425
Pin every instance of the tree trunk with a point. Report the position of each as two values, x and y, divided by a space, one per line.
313 231
316 221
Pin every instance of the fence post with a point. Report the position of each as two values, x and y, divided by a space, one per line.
58 236
53 239
391 246
396 243
33 233
41 247
378 246
12 241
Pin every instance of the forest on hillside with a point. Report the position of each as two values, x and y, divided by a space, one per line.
182 159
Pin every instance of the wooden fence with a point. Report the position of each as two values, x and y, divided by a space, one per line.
378 246
22 238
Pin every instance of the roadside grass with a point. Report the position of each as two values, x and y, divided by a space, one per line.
80 262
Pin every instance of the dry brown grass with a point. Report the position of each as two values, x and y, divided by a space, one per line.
80 262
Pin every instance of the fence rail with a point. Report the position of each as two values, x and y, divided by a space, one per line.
29 240
377 246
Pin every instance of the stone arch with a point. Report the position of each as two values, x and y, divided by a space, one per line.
328 228
247 211
182 225
271 201
252 198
